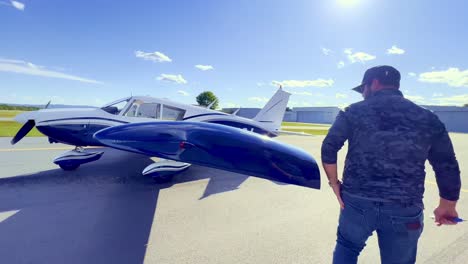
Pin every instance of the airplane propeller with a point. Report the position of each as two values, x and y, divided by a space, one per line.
23 131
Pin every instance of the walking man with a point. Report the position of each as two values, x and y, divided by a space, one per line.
389 140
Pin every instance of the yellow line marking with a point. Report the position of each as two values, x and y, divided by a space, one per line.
34 149
435 183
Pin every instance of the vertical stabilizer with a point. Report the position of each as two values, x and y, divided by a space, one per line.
272 113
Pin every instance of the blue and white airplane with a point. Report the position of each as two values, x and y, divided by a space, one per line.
166 129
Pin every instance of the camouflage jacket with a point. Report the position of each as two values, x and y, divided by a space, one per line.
389 140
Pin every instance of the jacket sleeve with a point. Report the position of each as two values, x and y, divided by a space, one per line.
445 165
336 137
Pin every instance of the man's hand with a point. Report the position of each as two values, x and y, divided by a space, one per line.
445 212
332 174
337 190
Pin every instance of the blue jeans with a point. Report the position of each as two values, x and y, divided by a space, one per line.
398 229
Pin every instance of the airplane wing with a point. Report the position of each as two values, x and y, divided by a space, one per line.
217 146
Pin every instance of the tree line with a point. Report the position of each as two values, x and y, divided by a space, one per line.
18 107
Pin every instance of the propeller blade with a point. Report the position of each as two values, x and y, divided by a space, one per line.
47 105
23 131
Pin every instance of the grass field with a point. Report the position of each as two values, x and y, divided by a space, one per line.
9 113
309 131
315 129
9 129
290 124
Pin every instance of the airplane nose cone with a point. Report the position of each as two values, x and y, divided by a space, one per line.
24 117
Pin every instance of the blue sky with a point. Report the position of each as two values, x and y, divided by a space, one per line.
93 52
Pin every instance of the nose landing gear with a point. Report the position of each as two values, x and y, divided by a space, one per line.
72 159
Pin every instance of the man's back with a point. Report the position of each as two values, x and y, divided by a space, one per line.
389 139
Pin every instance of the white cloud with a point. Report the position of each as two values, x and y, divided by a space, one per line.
172 78
460 99
299 104
412 74
342 106
358 56
452 77
230 105
204 67
437 94
184 93
18 5
260 84
340 64
28 68
152 56
341 95
304 83
326 51
416 98
258 99
300 93
348 51
395 50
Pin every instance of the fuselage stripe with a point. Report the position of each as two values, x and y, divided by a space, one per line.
194 116
89 118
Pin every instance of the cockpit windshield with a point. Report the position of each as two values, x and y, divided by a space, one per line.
116 107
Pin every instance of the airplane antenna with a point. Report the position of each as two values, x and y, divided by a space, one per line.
237 111
212 103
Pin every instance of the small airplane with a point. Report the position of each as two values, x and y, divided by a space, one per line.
179 133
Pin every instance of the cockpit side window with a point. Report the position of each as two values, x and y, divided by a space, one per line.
150 110
141 109
172 113
116 107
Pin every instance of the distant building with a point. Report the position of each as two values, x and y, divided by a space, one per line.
324 115
455 118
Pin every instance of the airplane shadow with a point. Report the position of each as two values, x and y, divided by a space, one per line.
101 213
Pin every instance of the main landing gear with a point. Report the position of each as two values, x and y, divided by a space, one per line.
164 170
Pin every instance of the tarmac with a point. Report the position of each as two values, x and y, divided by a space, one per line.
107 212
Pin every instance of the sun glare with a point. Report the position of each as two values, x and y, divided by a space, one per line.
348 3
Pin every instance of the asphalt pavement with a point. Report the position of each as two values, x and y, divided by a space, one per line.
107 212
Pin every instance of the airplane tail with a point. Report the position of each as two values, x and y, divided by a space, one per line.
272 113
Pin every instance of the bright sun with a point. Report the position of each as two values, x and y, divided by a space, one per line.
347 3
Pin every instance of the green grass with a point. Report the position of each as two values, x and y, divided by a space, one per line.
9 129
303 124
9 113
309 131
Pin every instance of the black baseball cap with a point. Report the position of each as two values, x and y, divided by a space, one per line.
387 75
